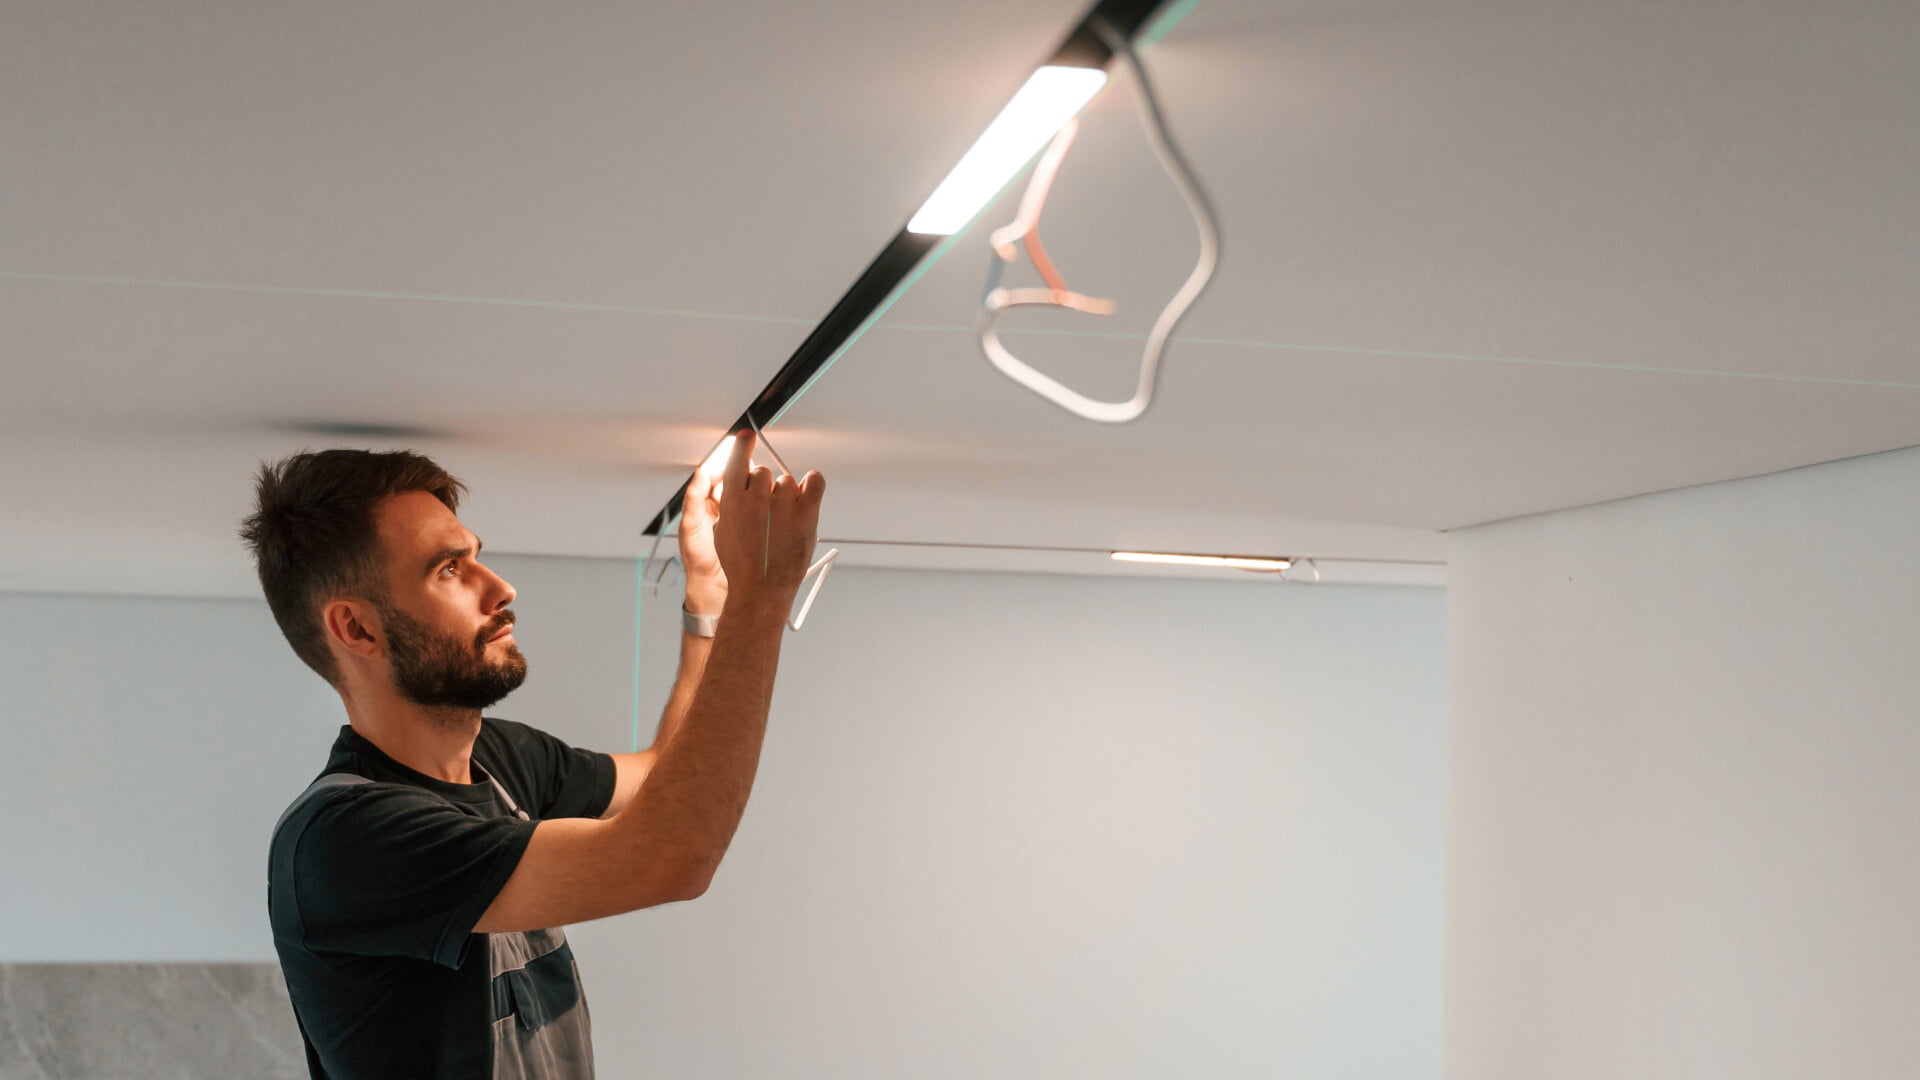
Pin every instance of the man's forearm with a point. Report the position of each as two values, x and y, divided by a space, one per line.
698 786
703 598
693 666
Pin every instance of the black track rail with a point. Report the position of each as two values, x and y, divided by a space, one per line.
897 262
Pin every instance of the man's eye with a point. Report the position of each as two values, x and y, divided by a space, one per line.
448 567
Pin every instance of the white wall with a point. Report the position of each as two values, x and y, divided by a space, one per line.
152 742
1684 796
1010 825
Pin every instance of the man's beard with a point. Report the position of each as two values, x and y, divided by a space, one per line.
441 671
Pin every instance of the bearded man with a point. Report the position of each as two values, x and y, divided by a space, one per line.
417 889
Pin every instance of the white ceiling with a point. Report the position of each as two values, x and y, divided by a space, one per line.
1481 260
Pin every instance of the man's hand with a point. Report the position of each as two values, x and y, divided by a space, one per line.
706 582
766 528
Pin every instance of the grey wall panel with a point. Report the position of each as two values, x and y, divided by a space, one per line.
147 1022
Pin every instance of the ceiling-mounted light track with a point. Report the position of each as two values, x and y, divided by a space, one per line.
905 257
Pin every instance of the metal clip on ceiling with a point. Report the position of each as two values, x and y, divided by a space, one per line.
821 566
1025 230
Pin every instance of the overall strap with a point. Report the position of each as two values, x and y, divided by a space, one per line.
502 789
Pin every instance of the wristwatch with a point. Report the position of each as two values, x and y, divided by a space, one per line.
698 625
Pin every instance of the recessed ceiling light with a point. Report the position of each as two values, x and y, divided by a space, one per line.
1231 561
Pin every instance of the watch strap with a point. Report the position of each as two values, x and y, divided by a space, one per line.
698 625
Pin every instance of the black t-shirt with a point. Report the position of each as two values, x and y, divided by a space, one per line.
374 889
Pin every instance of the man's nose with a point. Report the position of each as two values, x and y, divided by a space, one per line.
506 590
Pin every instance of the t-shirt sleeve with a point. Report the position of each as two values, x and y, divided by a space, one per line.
567 781
388 870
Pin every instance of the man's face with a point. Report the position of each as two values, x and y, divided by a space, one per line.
444 610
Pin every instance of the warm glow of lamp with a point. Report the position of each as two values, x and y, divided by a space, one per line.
716 463
1203 560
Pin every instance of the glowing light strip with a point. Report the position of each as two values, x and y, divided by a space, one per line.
1229 561
1051 96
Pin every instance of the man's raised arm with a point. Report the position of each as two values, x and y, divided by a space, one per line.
667 843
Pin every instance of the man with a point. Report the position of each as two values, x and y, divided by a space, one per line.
418 888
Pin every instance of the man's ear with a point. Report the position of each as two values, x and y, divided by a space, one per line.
353 625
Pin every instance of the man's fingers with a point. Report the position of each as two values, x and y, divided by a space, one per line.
792 495
811 491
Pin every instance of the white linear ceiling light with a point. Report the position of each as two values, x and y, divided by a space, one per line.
1052 96
1202 560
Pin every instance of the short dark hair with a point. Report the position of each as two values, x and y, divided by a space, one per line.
313 534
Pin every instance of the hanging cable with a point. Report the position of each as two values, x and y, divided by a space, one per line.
1025 230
